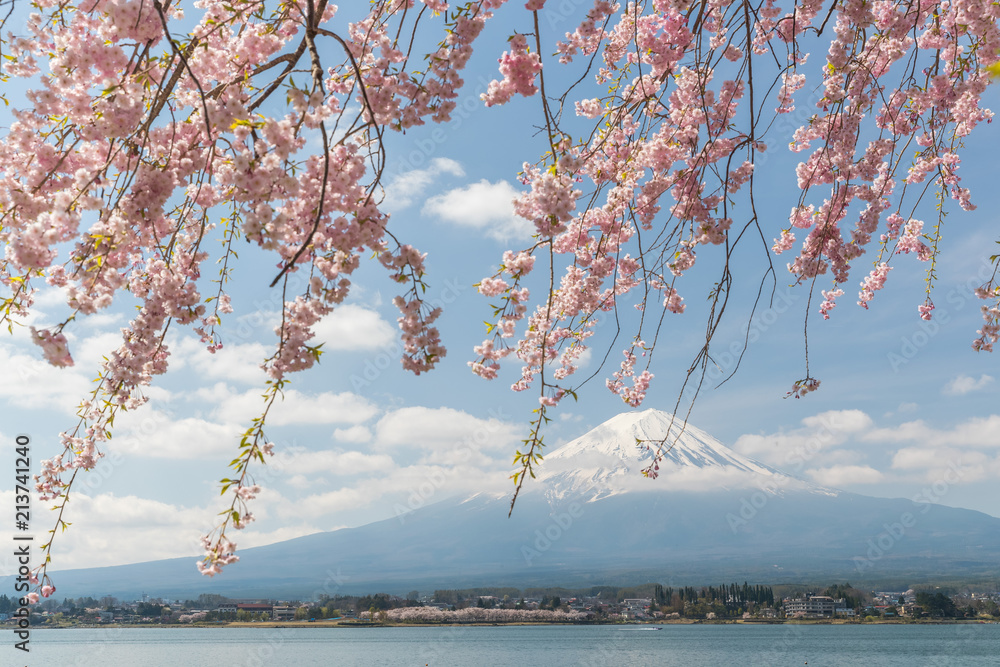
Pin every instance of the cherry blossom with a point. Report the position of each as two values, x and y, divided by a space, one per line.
154 137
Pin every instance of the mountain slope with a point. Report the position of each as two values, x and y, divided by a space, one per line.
591 518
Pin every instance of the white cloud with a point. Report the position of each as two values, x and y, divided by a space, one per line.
405 188
903 408
331 502
154 434
822 446
113 530
915 430
845 475
239 362
920 458
839 421
403 490
483 206
255 538
819 434
356 434
295 408
965 384
949 465
975 432
31 382
336 462
583 361
352 327
48 297
103 320
445 431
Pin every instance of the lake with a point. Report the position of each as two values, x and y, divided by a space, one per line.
550 646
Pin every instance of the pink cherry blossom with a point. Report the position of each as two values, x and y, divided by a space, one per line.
149 146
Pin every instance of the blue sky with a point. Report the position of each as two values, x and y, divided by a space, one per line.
902 401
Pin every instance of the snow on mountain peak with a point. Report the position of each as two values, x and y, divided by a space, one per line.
608 460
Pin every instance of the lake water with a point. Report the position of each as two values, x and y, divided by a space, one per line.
548 646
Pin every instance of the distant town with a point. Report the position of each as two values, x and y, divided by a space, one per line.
602 604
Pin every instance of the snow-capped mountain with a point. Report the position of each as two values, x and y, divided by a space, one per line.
610 459
591 518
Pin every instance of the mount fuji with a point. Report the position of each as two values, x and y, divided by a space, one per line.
591 518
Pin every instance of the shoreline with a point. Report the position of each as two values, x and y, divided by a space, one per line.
362 624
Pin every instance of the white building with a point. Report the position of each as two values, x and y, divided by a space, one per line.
812 605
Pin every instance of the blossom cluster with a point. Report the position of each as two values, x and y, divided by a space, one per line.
478 615
141 129
668 142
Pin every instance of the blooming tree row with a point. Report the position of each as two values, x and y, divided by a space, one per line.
156 135
478 615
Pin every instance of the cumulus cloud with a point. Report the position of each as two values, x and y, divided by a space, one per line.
336 462
344 499
349 327
152 433
965 384
31 382
113 530
933 464
403 489
976 432
356 434
109 529
814 441
839 421
296 407
925 458
407 187
444 431
845 475
483 206
238 362
353 327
